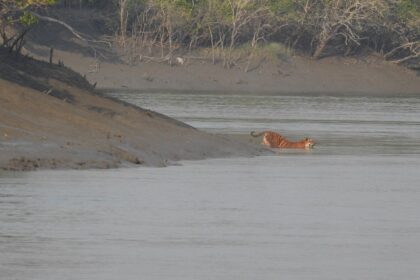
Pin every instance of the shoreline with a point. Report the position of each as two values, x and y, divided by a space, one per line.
106 91
54 120
361 76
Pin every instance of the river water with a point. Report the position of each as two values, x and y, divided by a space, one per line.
348 209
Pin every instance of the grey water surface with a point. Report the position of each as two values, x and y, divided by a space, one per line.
349 209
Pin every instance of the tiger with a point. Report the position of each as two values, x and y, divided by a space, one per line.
275 140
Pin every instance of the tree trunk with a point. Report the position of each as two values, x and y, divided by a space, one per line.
123 20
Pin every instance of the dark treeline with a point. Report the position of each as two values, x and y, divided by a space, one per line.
318 28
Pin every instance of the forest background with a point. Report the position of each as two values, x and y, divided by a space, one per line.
161 29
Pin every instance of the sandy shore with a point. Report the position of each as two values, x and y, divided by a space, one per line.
50 118
38 130
340 76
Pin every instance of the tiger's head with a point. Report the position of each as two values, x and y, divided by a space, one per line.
309 143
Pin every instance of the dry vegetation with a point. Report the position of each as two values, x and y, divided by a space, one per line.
160 30
318 28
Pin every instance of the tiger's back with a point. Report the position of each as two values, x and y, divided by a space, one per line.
273 139
276 140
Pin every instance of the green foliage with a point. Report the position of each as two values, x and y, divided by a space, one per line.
409 12
282 6
18 9
182 8
28 19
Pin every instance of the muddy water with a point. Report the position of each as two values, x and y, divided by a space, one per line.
341 125
349 209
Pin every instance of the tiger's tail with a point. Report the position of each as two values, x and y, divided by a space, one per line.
254 134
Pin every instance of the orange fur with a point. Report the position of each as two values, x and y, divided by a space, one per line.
275 140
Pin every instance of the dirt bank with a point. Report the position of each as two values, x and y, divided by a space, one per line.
51 118
349 76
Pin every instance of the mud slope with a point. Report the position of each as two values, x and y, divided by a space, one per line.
50 117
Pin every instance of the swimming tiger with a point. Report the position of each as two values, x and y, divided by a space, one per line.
275 140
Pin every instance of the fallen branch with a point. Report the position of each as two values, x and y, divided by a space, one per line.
412 47
157 59
74 32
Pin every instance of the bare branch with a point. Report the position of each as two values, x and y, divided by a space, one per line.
77 34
